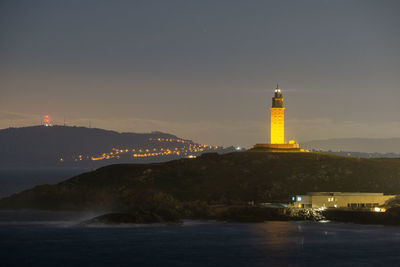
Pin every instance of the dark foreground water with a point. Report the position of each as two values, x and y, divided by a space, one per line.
195 243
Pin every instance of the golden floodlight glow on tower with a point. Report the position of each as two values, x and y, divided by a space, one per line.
277 132
277 118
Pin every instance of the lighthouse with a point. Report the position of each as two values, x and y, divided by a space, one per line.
277 118
277 129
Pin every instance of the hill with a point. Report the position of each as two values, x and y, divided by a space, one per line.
65 146
361 154
366 145
211 179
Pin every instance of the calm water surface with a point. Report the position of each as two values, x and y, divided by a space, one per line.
54 239
195 243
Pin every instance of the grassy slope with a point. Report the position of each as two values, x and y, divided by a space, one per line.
230 178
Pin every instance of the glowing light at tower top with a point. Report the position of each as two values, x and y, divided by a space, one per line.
46 120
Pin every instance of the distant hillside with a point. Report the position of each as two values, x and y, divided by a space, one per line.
390 145
40 146
213 179
360 154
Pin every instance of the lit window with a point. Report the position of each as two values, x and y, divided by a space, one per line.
298 198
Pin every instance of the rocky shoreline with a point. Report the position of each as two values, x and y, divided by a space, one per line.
126 219
390 217
240 214
251 214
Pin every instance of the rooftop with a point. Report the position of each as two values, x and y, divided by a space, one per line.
342 194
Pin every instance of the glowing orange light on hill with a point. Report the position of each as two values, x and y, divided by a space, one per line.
46 120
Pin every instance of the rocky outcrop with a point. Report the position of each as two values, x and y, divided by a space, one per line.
128 218
390 217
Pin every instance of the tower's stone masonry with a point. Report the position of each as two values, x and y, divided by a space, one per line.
277 133
277 118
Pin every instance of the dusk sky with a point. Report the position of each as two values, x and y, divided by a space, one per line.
203 70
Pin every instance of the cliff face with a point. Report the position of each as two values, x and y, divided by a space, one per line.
214 179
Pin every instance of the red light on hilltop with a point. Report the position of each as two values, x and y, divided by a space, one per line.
46 120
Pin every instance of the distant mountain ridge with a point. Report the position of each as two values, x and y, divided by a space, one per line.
41 146
367 145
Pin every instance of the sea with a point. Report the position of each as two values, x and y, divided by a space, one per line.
42 238
198 243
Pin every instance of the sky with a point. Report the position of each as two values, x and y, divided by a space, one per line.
203 70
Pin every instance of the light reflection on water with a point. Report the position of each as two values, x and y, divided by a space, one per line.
198 243
328 244
280 234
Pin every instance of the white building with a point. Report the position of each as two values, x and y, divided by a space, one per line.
340 200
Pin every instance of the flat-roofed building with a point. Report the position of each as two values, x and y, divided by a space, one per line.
340 200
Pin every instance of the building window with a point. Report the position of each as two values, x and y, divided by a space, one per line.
298 198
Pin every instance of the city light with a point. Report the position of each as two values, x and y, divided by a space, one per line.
183 148
377 209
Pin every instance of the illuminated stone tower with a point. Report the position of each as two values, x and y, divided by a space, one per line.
278 129
277 118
